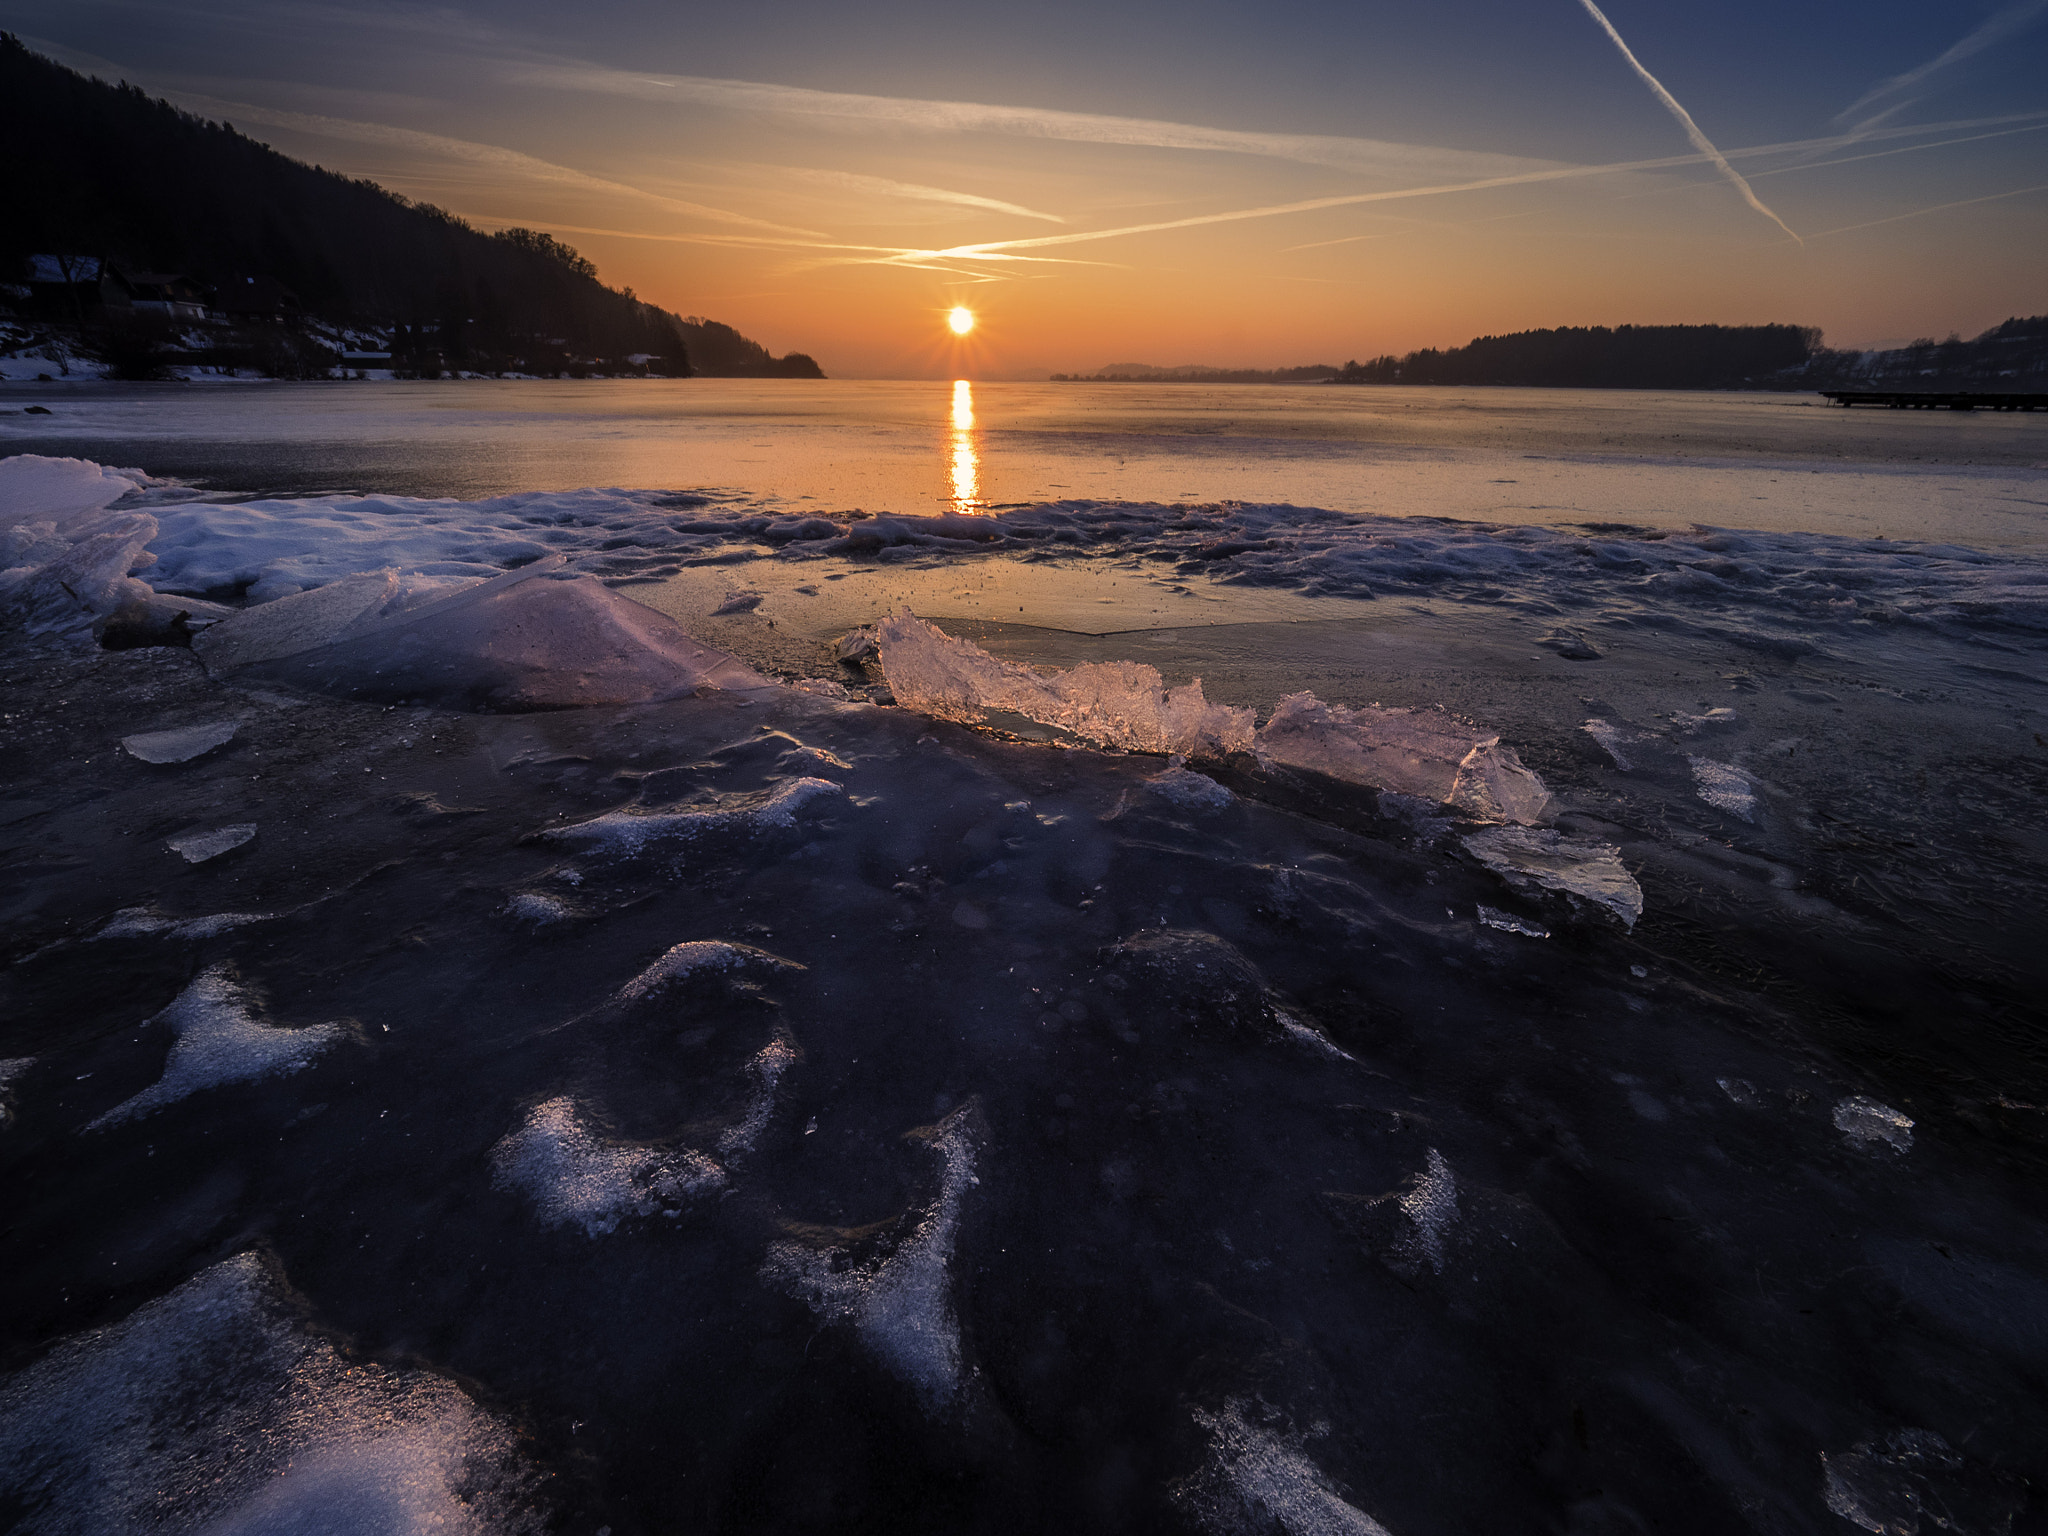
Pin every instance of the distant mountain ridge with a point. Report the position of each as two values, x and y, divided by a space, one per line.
106 175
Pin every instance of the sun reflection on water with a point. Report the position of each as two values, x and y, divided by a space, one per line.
966 466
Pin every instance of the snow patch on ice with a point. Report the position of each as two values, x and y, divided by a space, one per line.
1260 1479
1867 1123
211 1409
1610 738
1122 704
1533 859
696 959
1431 1206
766 1069
220 1039
575 1177
1725 787
540 910
147 922
900 1303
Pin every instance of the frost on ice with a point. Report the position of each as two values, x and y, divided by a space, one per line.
212 1408
1912 1481
1533 859
898 1302
766 1069
1260 1479
575 1177
1725 787
220 1039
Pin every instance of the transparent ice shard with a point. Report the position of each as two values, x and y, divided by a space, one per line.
180 745
1535 859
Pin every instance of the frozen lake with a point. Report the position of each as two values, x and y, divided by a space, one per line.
1783 462
1564 1052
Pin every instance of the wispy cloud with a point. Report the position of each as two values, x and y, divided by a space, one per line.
1965 202
1372 157
2001 25
491 156
882 186
1700 141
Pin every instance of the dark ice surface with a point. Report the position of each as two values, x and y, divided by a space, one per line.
1026 1138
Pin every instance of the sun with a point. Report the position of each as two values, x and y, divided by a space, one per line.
961 320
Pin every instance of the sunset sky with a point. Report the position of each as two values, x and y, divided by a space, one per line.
1104 181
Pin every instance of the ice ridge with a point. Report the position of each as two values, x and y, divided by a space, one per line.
220 1039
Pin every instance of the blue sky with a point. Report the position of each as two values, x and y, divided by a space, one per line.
1197 182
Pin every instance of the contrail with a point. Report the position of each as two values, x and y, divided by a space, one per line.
2013 19
1937 208
1700 141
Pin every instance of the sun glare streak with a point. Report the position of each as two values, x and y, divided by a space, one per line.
960 319
966 462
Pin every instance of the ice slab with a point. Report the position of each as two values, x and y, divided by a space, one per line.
1867 1123
1419 752
1186 790
574 1177
198 847
1113 704
220 1039
537 638
213 1409
180 745
36 489
899 1303
1507 922
1259 1478
1580 869
1611 739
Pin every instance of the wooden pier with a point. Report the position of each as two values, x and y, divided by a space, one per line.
1938 400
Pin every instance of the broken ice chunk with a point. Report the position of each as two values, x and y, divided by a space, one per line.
146 922
1725 787
198 847
220 1039
1417 752
739 602
181 745
1112 703
1580 869
629 834
1713 719
1866 1123
1507 922
1190 791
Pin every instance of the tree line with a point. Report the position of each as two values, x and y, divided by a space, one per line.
108 172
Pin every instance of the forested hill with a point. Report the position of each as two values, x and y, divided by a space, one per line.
105 172
1596 357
